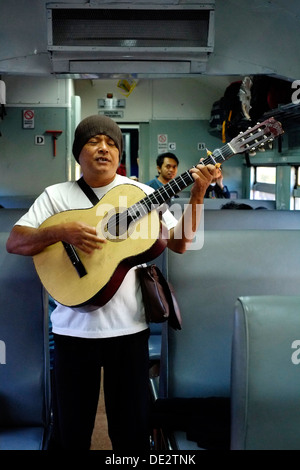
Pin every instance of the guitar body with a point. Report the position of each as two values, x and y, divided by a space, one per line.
107 267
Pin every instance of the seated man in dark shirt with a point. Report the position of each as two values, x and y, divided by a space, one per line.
167 166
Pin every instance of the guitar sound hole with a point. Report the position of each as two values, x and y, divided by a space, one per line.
117 226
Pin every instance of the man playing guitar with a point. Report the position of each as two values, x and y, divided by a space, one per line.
112 336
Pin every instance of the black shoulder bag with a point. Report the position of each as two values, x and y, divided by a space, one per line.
158 296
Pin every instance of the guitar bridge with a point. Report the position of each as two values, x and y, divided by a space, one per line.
75 260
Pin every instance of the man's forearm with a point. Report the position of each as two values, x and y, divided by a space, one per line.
30 241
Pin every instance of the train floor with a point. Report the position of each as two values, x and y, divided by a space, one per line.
100 439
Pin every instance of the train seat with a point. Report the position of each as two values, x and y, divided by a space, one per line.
155 341
216 204
196 361
24 350
265 382
155 337
16 202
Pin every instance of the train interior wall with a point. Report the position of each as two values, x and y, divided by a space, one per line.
174 110
246 42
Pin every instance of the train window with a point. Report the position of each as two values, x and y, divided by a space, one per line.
263 181
266 174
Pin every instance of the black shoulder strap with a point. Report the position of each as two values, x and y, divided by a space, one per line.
88 191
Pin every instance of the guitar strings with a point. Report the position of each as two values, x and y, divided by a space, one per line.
122 220
157 198
162 194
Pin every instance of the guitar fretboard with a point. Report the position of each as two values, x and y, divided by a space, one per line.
161 195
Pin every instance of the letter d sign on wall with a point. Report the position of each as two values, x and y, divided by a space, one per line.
39 140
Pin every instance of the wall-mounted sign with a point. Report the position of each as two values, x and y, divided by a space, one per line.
111 103
162 141
201 146
112 114
28 119
39 140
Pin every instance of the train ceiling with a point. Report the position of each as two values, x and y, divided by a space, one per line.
158 38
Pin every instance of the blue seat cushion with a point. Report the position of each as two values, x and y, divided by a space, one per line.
27 438
154 347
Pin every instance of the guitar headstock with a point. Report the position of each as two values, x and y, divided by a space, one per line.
256 136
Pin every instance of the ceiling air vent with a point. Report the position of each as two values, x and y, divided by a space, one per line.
105 40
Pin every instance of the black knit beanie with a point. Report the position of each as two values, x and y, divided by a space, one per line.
94 125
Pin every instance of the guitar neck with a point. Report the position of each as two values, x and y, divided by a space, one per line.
165 192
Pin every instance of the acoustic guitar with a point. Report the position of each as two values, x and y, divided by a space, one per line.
131 223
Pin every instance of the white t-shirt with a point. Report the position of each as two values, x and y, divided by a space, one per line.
124 313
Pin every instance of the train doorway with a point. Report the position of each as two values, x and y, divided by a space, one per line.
131 149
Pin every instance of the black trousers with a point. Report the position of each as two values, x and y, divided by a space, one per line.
77 376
